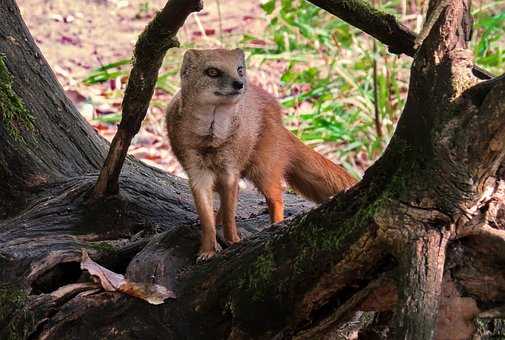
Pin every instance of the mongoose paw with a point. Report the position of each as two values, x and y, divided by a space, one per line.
232 240
204 255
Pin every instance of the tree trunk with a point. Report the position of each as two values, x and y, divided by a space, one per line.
42 135
423 229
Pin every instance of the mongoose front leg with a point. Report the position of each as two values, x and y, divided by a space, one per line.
228 194
202 188
219 214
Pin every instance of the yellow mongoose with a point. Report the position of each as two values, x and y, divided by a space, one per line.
221 128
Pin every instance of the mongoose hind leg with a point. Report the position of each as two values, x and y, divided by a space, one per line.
272 190
228 194
275 203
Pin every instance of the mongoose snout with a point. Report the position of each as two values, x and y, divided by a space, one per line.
238 85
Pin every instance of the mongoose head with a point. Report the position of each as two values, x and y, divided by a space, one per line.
214 77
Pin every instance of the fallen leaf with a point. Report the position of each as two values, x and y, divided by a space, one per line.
152 293
230 29
258 42
70 40
208 31
145 138
102 127
104 109
114 282
55 17
68 19
87 110
75 96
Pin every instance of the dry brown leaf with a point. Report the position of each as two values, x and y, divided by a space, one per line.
152 293
114 282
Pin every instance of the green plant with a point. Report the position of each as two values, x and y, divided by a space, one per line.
143 9
328 83
107 72
490 29
121 68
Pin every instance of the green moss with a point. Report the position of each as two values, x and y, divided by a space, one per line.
258 278
313 241
13 112
316 240
365 9
490 328
103 247
12 301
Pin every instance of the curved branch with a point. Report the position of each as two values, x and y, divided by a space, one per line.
149 52
383 27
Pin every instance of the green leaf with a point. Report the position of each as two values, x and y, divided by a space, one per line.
268 6
113 118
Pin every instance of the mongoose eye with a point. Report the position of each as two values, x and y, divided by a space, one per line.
240 71
212 72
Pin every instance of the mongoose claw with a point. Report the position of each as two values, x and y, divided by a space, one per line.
232 241
204 255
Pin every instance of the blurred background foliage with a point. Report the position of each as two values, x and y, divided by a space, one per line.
342 91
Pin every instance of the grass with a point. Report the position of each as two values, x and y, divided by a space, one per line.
341 91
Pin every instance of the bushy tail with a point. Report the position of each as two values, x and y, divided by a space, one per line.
314 176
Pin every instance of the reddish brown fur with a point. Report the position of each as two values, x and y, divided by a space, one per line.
280 155
248 141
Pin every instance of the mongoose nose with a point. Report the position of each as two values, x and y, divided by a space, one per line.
237 85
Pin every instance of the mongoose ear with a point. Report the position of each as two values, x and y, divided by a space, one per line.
240 53
188 61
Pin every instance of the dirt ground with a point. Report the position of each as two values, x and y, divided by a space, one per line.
76 37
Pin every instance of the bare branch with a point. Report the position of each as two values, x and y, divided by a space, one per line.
384 27
149 52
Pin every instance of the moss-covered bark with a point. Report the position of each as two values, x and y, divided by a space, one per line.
43 137
13 112
13 317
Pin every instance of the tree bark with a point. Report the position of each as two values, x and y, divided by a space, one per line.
429 208
46 153
422 266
